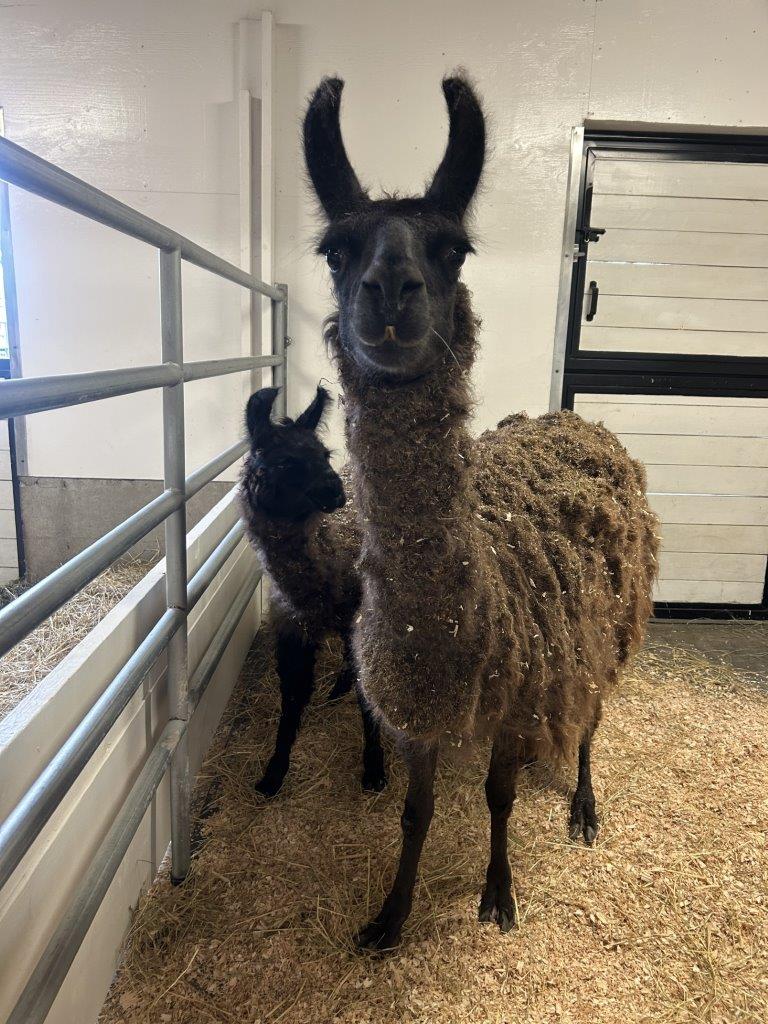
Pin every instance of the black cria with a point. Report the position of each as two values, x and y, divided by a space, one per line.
293 503
296 669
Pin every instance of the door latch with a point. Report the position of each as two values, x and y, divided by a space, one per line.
589 234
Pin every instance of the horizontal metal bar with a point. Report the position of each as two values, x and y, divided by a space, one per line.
27 819
193 253
51 970
202 675
206 574
32 607
21 168
202 476
36 394
218 367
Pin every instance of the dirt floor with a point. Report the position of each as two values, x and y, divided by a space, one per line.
664 920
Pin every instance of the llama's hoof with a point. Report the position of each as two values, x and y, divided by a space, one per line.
381 934
270 785
496 904
375 779
583 820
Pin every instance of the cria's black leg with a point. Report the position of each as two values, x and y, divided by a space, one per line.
295 666
374 770
384 931
347 676
496 903
583 821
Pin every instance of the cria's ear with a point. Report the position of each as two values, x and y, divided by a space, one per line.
312 415
257 413
458 175
329 168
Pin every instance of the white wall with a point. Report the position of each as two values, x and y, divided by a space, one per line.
139 99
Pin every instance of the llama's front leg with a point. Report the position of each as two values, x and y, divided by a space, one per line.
384 931
496 902
583 820
296 669
374 770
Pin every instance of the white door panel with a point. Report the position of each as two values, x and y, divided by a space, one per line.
697 248
679 314
682 270
661 340
668 213
684 178
679 281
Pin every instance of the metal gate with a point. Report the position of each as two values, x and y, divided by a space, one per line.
26 396
663 335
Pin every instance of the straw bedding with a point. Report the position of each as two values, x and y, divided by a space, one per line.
664 920
31 660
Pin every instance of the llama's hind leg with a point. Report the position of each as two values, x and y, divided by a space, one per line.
583 820
374 769
496 902
384 931
296 669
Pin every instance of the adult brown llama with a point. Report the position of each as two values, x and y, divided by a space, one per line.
506 580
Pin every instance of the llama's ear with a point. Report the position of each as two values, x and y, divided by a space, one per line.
329 168
312 415
458 175
258 411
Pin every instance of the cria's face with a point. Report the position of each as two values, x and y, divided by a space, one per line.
395 263
292 479
395 269
288 473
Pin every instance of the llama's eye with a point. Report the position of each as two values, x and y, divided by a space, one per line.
456 256
335 260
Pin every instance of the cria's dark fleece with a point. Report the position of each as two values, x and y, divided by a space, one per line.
314 585
505 580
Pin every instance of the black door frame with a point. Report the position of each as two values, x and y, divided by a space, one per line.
613 372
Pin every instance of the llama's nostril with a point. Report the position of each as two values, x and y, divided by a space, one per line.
411 286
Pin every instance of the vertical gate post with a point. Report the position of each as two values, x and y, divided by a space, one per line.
176 556
280 347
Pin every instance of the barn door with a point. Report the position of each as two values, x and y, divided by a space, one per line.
668 346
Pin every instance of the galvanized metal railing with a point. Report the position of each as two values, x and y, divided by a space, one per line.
23 397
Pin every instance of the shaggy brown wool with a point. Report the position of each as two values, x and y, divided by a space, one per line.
504 580
314 585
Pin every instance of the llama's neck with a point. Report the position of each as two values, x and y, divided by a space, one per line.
411 456
289 552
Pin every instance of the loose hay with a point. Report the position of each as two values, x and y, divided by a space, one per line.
664 920
24 666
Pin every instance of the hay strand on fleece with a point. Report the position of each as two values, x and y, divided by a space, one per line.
664 920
